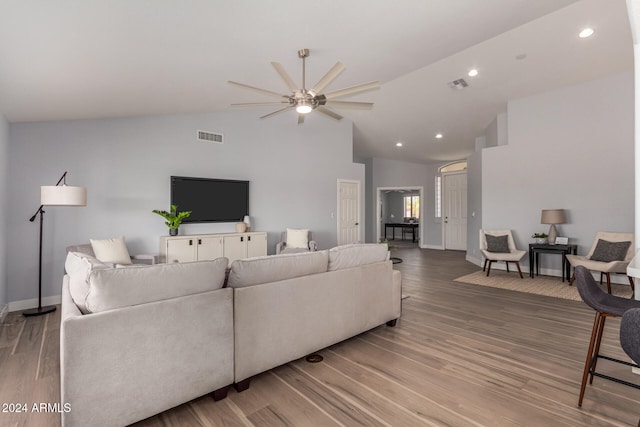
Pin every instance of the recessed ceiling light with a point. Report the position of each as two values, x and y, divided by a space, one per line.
472 73
438 135
587 32
398 144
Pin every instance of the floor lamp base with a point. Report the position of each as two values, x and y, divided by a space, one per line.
39 311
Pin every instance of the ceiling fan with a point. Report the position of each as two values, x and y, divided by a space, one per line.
305 100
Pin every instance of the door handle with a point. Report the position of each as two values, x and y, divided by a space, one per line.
357 223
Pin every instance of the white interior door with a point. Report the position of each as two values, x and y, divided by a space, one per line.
348 211
454 210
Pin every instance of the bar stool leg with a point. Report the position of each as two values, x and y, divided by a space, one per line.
587 363
596 351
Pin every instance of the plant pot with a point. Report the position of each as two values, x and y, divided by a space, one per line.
541 240
173 232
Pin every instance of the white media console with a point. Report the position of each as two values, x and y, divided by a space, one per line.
200 247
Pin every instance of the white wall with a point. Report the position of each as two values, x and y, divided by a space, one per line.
4 209
573 149
126 164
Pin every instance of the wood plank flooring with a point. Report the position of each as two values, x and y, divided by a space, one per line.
461 355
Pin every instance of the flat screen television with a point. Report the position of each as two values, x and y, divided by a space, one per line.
210 200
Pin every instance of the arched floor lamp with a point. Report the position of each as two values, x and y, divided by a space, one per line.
54 195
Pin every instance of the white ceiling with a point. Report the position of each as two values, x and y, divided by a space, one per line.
75 59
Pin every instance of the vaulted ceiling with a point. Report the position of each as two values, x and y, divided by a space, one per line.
72 59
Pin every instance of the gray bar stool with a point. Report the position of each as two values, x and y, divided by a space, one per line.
630 335
605 306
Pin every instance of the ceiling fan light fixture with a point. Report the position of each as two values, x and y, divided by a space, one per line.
303 107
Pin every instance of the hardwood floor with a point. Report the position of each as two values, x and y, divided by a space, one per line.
460 355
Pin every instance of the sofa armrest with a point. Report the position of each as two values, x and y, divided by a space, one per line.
108 357
280 246
145 257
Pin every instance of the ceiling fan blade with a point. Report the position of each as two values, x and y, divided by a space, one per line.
349 104
353 90
329 113
258 104
285 77
282 110
257 89
301 118
328 78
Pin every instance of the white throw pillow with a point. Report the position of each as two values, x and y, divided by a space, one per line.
298 239
111 250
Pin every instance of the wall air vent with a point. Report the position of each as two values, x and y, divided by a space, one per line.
205 136
458 84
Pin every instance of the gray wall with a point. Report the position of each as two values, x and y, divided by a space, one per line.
573 149
394 173
126 164
4 210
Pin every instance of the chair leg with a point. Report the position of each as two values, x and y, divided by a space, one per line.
573 279
519 271
489 267
587 362
507 263
608 283
633 288
596 350
601 277
484 267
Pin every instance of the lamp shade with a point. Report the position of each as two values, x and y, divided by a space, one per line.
552 216
63 195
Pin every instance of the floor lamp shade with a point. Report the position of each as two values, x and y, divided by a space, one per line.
63 195
553 217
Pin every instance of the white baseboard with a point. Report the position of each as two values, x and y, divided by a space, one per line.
437 247
3 313
33 303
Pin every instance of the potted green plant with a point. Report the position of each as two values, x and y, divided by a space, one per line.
173 218
541 238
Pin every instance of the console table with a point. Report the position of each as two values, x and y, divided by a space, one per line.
393 225
535 249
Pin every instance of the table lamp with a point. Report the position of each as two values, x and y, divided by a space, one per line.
54 195
553 217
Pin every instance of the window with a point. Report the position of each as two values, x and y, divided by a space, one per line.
438 193
412 207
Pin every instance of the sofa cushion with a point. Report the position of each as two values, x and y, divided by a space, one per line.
79 266
607 251
348 256
111 250
272 268
297 239
122 287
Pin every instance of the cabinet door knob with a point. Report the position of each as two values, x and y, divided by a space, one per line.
190 242
199 241
242 238
249 238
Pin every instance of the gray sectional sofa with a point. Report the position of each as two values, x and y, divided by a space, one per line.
139 340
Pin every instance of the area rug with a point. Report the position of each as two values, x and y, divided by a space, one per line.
541 285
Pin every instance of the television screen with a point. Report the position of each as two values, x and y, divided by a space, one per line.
210 200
